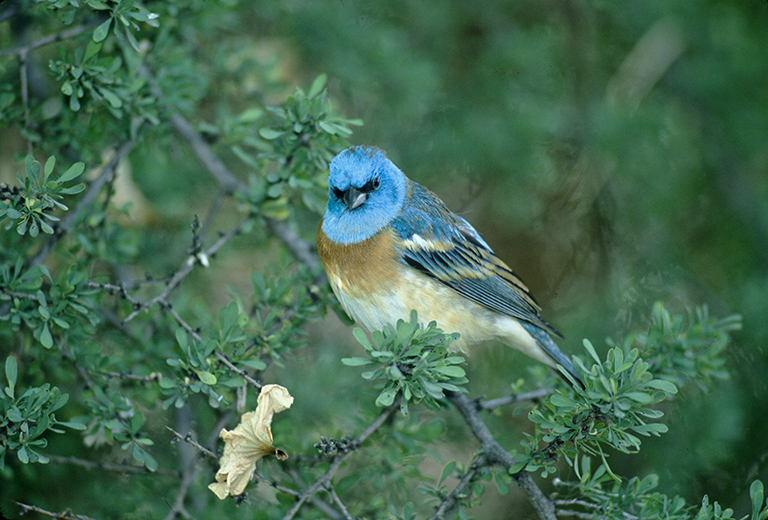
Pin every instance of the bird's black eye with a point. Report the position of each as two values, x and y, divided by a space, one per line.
371 185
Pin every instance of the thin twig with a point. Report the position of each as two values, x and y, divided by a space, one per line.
451 501
336 462
492 404
577 514
184 270
188 439
67 514
331 491
122 468
52 38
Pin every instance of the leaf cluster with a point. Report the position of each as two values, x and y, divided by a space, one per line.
115 419
292 152
598 493
616 402
25 417
28 206
413 360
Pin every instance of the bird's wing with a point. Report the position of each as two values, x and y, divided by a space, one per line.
446 247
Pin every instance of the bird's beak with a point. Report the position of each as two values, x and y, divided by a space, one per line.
353 197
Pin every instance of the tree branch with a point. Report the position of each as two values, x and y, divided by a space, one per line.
184 270
449 503
498 455
301 249
52 38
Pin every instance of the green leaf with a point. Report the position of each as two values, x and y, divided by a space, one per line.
756 493
49 164
102 31
45 337
181 338
74 171
589 348
663 385
386 397
317 86
11 373
451 371
447 470
206 377
111 97
361 338
255 364
562 401
269 134
23 455
91 50
355 361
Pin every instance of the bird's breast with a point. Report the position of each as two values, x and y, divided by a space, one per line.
375 288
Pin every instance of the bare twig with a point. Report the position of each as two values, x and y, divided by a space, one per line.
67 514
492 404
52 38
336 462
122 468
188 439
184 270
331 491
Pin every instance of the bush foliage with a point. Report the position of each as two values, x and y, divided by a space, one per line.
157 263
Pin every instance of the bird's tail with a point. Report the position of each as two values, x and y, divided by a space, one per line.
551 348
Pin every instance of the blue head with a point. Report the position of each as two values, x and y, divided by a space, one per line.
366 192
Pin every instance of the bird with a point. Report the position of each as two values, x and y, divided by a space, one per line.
389 245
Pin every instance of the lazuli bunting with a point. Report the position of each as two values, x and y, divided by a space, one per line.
389 245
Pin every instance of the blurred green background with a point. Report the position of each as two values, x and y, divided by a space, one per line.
614 153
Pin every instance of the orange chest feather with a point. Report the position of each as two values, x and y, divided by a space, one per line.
362 268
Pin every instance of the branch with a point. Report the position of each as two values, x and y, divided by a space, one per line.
492 404
325 479
67 514
188 439
52 38
449 503
122 468
301 249
184 270
498 455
